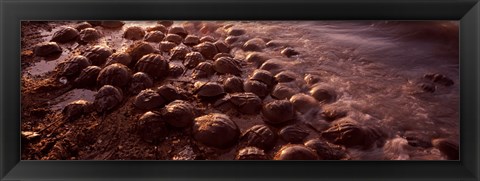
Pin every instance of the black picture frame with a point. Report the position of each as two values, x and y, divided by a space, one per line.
13 11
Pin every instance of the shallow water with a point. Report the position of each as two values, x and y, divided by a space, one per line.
374 66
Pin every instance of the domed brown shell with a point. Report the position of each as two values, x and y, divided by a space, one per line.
293 134
116 74
312 79
254 44
276 43
107 98
160 28
326 151
154 65
323 94
76 109
227 65
154 36
176 70
179 52
112 24
230 40
286 76
119 57
256 87
222 47
303 102
251 153
257 58
88 77
179 30
171 93
166 46
174 38
65 35
165 23
263 76
233 84
247 103
215 130
295 152
179 114
89 35
235 31
448 147
191 40
274 66
283 91
138 50
152 128
46 49
289 52
134 33
331 114
192 59
223 104
278 112
350 134
72 67
219 55
140 81
207 39
98 54
203 70
260 136
148 99
207 49
82 25
209 89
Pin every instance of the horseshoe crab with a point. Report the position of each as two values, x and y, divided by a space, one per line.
278 112
233 84
116 74
207 49
246 103
227 65
215 130
134 33
256 87
140 81
192 59
251 153
138 50
119 57
65 35
179 114
191 40
98 54
154 65
152 128
107 98
148 99
292 134
154 36
89 35
73 66
259 136
88 76
46 49
295 152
